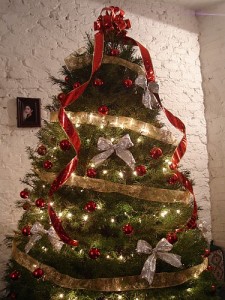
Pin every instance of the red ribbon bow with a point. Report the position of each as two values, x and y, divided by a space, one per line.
113 20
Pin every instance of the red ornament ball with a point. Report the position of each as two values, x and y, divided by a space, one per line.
90 206
24 194
61 96
206 252
128 229
114 52
40 202
209 268
47 164
103 110
98 82
65 145
94 253
91 172
42 150
127 83
172 237
173 179
76 85
26 230
156 153
26 205
15 275
12 295
38 273
67 78
141 170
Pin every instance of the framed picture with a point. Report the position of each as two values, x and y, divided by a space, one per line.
28 112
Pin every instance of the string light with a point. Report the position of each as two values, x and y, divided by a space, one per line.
108 256
189 290
43 186
139 140
60 214
51 203
120 297
85 217
120 257
178 211
164 213
61 296
77 125
164 170
112 140
44 249
99 205
69 215
104 172
135 173
120 174
112 220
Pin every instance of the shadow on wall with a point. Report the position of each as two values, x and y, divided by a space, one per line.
167 13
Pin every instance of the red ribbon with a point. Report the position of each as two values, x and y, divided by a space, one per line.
113 20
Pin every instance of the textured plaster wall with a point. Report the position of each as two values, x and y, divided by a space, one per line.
35 38
212 40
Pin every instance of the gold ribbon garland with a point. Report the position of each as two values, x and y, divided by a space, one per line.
121 122
114 284
138 191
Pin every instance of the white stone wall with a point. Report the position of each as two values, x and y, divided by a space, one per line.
212 40
35 38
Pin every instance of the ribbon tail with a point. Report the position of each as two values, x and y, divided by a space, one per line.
126 156
148 270
33 239
170 258
99 158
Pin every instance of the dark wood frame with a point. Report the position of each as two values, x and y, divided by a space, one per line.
35 104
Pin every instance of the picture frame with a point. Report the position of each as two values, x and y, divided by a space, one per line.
28 112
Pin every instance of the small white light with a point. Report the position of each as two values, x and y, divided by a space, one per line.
120 297
120 257
196 275
189 290
73 175
81 251
112 140
102 126
108 256
69 215
77 125
164 213
104 171
35 266
60 214
112 220
99 205
120 174
139 220
55 148
122 126
92 165
81 191
61 296
88 141
85 217
139 140
178 211
135 173
43 186
51 203
164 170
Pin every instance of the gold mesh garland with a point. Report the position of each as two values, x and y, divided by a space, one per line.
114 284
73 62
137 191
122 122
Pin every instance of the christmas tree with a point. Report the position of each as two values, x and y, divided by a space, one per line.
108 214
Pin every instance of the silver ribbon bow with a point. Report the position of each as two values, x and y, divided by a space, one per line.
120 148
160 251
38 231
148 98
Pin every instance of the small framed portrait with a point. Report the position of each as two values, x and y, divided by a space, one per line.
28 112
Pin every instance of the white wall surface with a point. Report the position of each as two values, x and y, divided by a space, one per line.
212 41
36 36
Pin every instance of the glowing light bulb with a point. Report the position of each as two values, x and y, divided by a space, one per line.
77 125
112 140
43 186
85 217
108 256
112 220
92 165
99 205
139 140
61 296
60 214
120 257
164 213
54 148
69 215
189 290
102 126
51 203
121 174
120 297
104 171
178 211
135 173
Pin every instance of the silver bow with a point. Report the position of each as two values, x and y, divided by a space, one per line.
120 148
160 251
38 231
148 98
